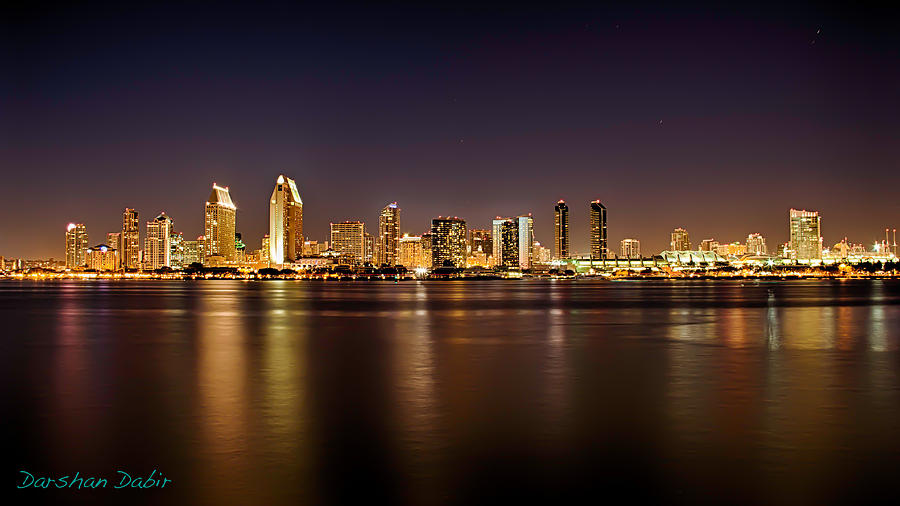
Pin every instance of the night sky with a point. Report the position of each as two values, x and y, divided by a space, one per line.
716 120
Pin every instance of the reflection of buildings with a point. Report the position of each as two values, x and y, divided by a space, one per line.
806 235
448 242
76 245
285 222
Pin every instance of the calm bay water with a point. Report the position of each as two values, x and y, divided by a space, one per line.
456 392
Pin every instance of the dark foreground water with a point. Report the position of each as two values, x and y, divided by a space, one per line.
455 392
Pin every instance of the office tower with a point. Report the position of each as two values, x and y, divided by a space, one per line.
541 254
176 250
735 249
388 234
756 244
157 244
496 239
480 240
114 240
348 239
681 240
426 248
102 258
219 224
448 242
371 248
285 222
599 247
806 234
508 235
708 245
410 253
526 241
130 250
76 245
561 230
193 252
631 248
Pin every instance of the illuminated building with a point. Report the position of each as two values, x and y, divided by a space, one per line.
114 240
806 235
314 248
130 246
389 235
709 245
426 248
735 249
285 222
681 240
219 225
102 258
599 246
508 234
561 230
756 244
411 254
541 254
448 242
481 240
526 241
370 248
176 250
348 239
239 247
193 251
76 245
496 239
157 245
631 248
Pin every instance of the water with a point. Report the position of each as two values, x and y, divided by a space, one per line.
455 392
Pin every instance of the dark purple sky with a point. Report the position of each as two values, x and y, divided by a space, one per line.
715 120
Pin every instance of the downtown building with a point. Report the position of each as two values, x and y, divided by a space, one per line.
561 230
76 245
513 240
448 242
130 241
219 225
806 235
388 235
599 245
630 248
348 240
680 240
285 242
102 258
411 255
756 245
158 243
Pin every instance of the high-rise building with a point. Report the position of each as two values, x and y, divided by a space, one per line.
480 240
285 222
526 241
193 252
114 240
157 244
371 248
130 246
561 230
508 234
76 245
348 239
631 248
219 224
681 240
599 246
426 248
389 234
102 258
709 245
806 234
411 254
756 244
448 242
541 255
176 250
496 239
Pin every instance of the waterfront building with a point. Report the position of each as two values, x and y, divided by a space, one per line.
806 234
541 254
448 242
348 240
114 240
102 258
561 230
389 234
756 244
496 239
735 249
219 224
130 246
599 246
314 248
481 240
526 241
76 245
176 250
630 248
426 248
285 222
411 254
157 244
193 251
371 248
681 240
509 243
709 245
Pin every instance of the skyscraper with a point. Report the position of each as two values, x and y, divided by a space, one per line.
756 244
806 234
480 240
285 222
599 246
389 234
102 258
497 240
561 230
157 244
448 242
219 224
411 255
114 240
193 252
130 247
426 248
631 248
348 238
526 241
681 240
76 245
508 234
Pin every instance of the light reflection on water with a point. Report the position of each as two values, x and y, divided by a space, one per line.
457 392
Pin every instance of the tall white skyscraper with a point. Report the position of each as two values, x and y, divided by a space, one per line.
157 244
389 234
526 241
76 245
285 222
806 234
